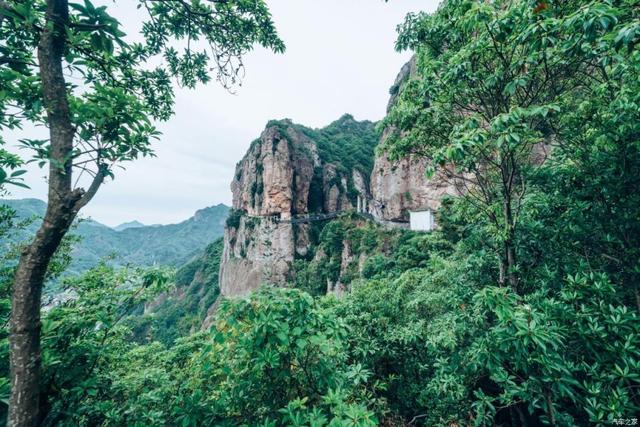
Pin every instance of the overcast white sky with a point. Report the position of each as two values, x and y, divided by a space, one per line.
339 59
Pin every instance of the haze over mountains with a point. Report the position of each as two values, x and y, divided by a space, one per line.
131 243
130 224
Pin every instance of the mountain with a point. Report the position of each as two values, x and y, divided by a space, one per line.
133 243
291 171
293 180
130 224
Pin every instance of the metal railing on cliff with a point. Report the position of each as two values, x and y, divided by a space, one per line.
312 217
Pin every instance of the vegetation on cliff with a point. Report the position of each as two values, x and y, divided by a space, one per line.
351 248
347 143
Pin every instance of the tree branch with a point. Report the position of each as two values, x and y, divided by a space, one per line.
86 196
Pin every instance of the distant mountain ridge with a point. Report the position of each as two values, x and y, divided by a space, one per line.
130 224
131 243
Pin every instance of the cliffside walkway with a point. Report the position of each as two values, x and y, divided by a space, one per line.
307 218
300 219
304 218
314 217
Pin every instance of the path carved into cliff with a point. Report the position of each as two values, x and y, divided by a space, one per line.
300 218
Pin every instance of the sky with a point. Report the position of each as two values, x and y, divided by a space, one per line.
340 58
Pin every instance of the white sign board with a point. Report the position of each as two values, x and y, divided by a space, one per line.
422 220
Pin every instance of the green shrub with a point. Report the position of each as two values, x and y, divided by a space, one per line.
233 220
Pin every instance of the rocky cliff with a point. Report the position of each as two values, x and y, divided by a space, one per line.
290 177
400 186
293 176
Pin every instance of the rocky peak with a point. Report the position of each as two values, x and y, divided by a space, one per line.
290 172
274 176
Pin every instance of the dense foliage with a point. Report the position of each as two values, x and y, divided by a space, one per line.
278 358
532 107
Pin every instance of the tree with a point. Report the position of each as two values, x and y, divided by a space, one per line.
101 119
494 82
491 77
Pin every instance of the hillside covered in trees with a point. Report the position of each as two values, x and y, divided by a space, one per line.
521 308
131 243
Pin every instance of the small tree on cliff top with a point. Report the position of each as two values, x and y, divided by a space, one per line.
99 117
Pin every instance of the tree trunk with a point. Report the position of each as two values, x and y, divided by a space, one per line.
63 205
507 267
511 263
509 245
25 316
550 410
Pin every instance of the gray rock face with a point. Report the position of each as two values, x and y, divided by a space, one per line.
274 176
281 177
335 197
400 186
260 250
